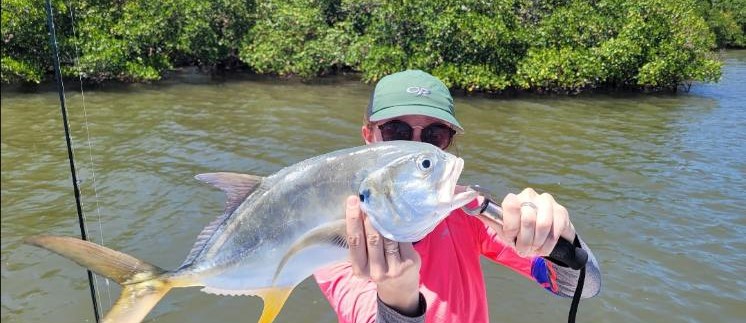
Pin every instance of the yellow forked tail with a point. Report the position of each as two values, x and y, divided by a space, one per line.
143 284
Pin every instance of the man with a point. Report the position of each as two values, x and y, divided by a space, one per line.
439 278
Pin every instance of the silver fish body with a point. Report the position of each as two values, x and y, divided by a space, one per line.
244 250
278 230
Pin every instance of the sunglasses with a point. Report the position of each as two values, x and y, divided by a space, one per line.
437 134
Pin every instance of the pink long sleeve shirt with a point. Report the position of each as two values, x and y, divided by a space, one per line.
451 276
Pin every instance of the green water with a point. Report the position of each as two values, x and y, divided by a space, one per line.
654 183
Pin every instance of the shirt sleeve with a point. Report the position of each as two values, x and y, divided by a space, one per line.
387 314
356 300
492 247
353 299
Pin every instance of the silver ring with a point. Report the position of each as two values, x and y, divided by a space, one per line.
392 251
531 205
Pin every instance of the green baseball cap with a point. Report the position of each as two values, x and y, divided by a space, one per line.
412 92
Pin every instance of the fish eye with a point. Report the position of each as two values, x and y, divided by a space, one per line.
424 163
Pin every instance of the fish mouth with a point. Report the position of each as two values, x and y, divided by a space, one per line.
450 178
447 197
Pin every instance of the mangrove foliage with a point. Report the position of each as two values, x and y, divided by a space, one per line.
492 46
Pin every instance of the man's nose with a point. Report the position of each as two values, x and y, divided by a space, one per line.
417 132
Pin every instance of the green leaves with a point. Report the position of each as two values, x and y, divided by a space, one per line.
476 45
564 46
649 44
726 19
25 41
304 38
125 40
565 69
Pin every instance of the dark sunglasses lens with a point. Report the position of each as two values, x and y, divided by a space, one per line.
395 130
438 134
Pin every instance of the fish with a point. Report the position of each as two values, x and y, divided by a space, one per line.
275 231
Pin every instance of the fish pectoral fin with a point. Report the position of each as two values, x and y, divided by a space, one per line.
274 298
236 186
332 233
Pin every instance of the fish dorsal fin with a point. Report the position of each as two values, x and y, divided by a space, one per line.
332 233
236 186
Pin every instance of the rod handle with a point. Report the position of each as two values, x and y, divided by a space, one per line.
568 255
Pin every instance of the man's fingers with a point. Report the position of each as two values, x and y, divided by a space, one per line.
356 236
528 194
392 253
525 237
511 218
553 234
376 260
560 223
544 220
406 249
563 225
547 247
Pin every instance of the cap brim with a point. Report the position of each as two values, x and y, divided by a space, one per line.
403 110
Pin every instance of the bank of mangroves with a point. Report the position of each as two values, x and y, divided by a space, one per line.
565 46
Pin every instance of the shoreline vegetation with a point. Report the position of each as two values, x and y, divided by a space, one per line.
504 46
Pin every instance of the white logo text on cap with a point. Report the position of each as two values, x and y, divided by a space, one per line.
420 91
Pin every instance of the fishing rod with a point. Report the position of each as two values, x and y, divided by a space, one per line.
68 140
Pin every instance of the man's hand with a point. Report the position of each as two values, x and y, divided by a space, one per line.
533 223
393 266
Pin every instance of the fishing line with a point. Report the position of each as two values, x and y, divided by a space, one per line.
68 140
90 153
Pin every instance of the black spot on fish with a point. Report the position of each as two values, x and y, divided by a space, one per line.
364 195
